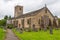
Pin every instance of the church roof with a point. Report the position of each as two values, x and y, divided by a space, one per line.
32 13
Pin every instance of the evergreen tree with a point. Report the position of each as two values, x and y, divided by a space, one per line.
6 17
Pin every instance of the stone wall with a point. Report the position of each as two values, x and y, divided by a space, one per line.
36 20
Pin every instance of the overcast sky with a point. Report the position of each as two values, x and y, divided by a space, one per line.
7 6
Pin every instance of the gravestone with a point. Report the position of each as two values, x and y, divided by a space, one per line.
34 29
51 30
45 28
21 30
50 27
27 29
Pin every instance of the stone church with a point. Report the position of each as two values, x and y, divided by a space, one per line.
39 19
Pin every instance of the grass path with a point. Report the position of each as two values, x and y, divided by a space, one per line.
41 35
10 35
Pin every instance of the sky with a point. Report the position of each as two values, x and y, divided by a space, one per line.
7 6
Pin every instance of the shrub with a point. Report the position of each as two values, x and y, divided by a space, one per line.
10 26
1 26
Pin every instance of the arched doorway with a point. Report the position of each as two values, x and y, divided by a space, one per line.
50 23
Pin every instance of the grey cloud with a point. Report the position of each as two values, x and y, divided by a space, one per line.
50 2
7 6
55 8
32 5
8 0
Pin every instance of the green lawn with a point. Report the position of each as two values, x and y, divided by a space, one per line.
2 34
41 35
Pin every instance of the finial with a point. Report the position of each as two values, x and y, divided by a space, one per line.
45 5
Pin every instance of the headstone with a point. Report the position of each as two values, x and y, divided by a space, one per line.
21 30
50 27
51 30
45 27
27 29
40 29
35 29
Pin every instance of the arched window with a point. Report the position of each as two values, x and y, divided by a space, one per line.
29 21
49 22
39 21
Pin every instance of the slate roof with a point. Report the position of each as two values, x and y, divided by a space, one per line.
32 13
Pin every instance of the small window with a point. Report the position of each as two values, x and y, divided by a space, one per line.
29 21
20 8
39 21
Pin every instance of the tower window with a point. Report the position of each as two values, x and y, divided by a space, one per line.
20 8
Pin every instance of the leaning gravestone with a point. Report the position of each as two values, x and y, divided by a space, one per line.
21 30
29 29
26 29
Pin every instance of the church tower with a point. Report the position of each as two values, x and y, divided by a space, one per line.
18 11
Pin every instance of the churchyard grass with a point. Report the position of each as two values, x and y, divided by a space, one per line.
2 34
40 35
